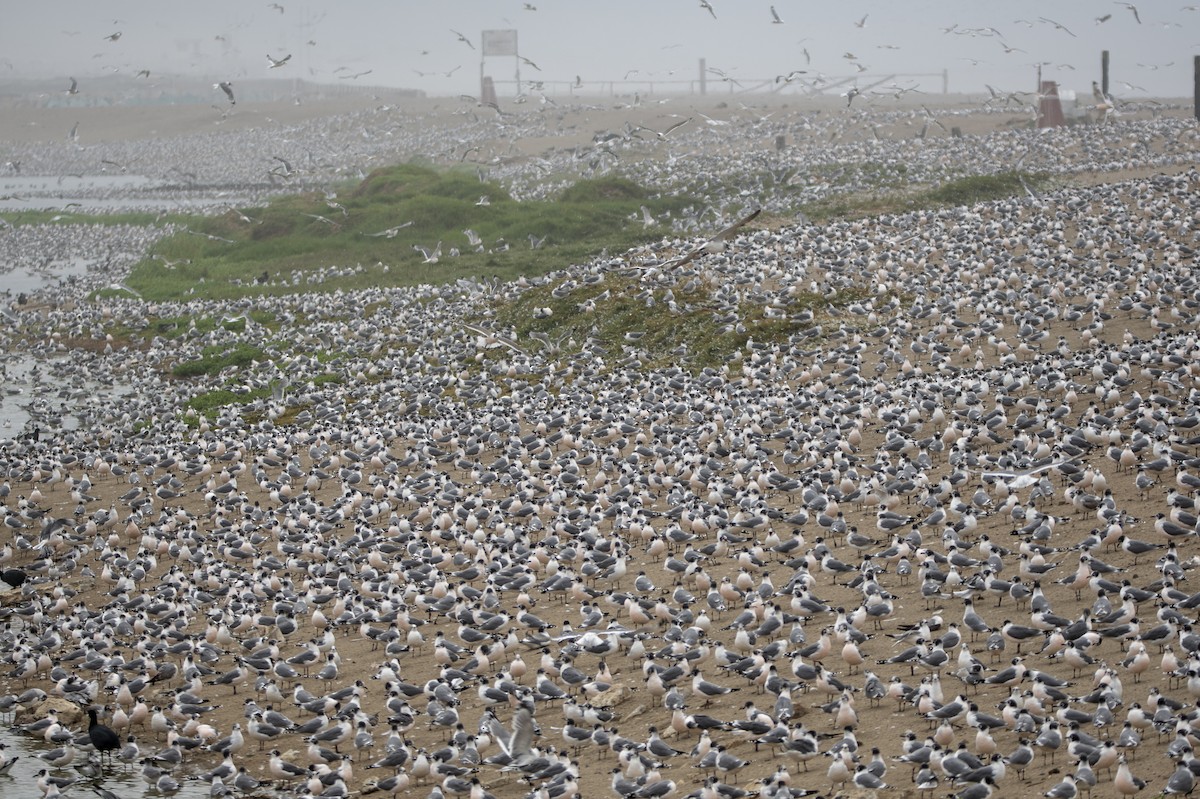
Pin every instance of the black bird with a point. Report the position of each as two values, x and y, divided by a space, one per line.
103 738
13 577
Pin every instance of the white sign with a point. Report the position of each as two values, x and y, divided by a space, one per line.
500 42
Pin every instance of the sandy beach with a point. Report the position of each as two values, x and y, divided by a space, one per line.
450 489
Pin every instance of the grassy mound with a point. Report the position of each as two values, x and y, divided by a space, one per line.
402 225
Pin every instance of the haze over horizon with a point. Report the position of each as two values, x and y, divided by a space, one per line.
415 45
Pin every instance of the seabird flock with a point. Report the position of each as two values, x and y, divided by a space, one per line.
939 538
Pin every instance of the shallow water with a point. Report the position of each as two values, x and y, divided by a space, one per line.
123 780
105 194
32 392
23 280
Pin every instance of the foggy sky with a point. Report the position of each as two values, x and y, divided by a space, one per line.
978 43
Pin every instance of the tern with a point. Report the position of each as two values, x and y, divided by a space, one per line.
226 87
707 6
775 17
278 62
463 38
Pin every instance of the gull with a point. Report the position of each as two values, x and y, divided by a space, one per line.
431 256
209 236
463 39
324 219
517 744
286 168
529 7
1132 8
226 87
1182 782
664 134
483 200
487 334
1125 782
355 75
391 232
525 60
862 23
1024 479
247 219
716 123
1058 25
112 37
278 62
791 76
74 87
775 17
275 6
1104 18
142 73
1063 790
708 7
708 690
119 286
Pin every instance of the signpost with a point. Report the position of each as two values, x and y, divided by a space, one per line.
499 43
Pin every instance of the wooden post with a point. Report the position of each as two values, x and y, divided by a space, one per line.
703 78
1104 72
1196 86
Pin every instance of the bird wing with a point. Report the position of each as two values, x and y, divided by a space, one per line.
521 742
497 731
679 124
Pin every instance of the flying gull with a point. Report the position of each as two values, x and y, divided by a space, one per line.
1134 9
518 744
1026 478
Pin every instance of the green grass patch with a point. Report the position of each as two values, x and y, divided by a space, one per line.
685 329
210 401
981 188
215 359
890 199
371 235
